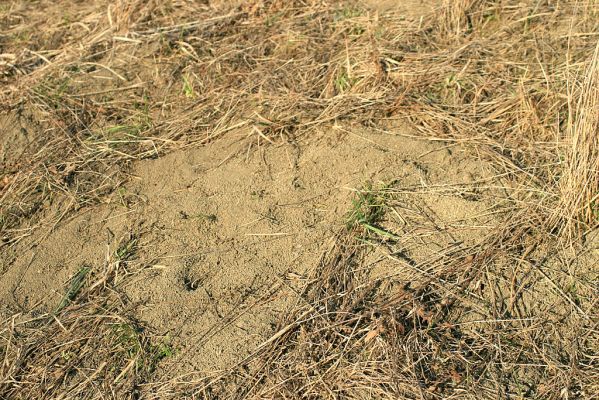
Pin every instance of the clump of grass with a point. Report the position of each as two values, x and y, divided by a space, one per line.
74 288
127 130
368 211
129 343
86 350
126 339
368 207
188 87
579 184
343 82
348 12
127 249
53 91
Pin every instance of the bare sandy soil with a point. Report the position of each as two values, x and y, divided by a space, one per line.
226 231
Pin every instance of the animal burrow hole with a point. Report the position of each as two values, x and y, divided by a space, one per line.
192 280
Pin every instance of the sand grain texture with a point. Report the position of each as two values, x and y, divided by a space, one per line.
223 226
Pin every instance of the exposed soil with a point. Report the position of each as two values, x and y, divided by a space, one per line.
225 230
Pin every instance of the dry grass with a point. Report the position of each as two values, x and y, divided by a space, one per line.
516 83
89 347
579 208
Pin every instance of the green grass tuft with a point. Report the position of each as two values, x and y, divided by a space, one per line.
368 211
74 288
127 249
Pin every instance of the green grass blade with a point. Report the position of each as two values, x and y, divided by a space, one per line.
74 288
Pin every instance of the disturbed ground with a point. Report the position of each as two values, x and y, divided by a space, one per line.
226 226
299 199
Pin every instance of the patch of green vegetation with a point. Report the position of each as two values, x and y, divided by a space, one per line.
126 339
343 82
271 20
346 13
162 350
23 37
120 143
125 197
128 130
67 18
129 344
122 192
490 15
367 212
454 90
572 290
166 44
357 30
143 107
188 87
67 355
53 91
127 249
74 287
123 134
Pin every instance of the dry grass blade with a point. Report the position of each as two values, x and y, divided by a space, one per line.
88 348
579 201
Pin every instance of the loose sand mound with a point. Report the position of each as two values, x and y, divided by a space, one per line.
221 230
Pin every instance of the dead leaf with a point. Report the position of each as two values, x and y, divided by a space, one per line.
424 315
455 376
4 182
373 333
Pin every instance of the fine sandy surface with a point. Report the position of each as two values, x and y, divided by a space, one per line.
225 232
